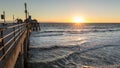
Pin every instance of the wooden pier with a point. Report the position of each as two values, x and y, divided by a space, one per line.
14 42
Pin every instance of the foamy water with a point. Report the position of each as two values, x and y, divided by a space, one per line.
63 45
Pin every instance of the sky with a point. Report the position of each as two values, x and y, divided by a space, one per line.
93 11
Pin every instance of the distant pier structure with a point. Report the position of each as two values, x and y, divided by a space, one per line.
34 23
14 41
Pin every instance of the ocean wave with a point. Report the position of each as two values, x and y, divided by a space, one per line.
82 31
93 30
67 47
47 35
91 56
72 47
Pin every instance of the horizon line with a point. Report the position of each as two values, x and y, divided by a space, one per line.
69 22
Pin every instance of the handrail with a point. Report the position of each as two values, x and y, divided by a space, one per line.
10 33
11 38
18 32
14 26
3 28
10 46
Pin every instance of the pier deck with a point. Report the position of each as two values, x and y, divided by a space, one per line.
14 41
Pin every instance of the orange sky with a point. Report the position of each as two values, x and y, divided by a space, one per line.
93 11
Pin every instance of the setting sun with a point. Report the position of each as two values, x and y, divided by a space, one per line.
78 19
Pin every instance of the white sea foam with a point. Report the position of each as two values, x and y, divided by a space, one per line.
58 46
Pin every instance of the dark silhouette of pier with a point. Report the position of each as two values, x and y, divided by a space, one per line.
14 40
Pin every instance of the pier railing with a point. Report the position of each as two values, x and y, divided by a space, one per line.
9 37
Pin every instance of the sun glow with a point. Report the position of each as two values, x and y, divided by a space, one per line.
78 19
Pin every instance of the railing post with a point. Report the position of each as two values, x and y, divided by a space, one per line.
19 28
2 42
14 33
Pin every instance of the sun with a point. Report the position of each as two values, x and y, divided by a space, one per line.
78 19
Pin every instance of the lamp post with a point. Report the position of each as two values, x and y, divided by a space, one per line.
13 18
26 11
3 17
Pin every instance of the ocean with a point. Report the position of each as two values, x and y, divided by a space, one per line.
72 45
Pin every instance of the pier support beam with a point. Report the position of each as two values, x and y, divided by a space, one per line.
25 52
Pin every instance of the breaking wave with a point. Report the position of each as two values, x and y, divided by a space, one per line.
63 57
69 46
